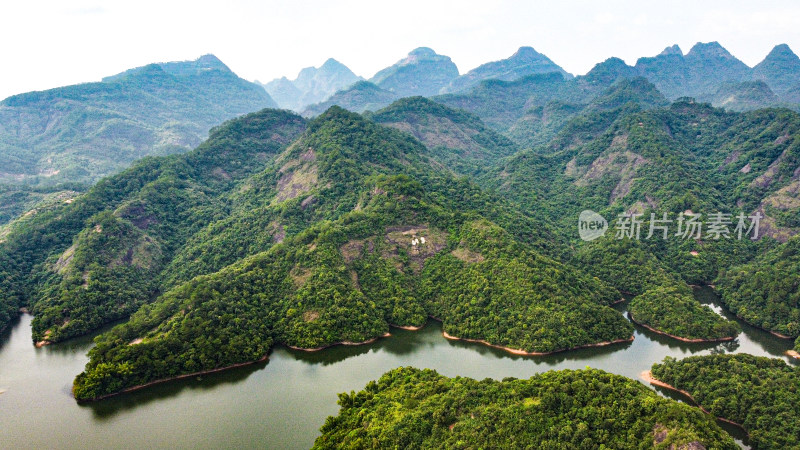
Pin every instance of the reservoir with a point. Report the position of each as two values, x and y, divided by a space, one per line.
282 402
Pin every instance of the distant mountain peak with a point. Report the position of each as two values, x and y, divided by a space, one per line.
332 64
312 85
422 52
210 60
709 50
178 68
422 72
780 69
525 61
610 70
526 52
781 52
672 50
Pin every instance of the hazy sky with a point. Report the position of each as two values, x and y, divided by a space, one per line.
49 43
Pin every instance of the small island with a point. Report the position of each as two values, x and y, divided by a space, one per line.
670 310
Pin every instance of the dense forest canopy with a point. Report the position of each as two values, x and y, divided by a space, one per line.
759 393
394 237
464 207
415 408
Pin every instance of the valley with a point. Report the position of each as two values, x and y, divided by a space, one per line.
178 242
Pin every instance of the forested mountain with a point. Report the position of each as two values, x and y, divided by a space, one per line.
542 123
359 97
781 71
456 139
370 230
766 291
530 87
84 263
312 85
81 133
710 73
741 96
706 66
422 72
414 408
758 393
331 226
687 157
520 107
526 61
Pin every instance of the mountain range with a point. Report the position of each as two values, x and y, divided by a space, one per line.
708 72
312 85
399 215
309 230
83 132
54 143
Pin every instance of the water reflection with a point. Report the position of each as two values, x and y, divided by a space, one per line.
282 402
104 410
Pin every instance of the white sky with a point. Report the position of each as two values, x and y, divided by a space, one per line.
49 43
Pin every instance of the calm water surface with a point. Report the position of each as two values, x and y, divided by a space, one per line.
281 403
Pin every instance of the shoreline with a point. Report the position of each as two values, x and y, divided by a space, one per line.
409 328
774 333
647 376
316 349
368 341
524 353
793 353
682 339
164 380
220 369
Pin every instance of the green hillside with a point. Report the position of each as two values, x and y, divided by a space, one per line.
688 157
758 393
370 235
83 132
83 263
415 408
456 139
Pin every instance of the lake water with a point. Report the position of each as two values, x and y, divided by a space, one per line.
282 403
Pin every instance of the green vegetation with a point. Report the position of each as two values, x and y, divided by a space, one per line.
673 311
422 72
80 133
20 202
78 265
706 66
743 96
361 96
455 139
766 291
758 393
490 289
662 301
371 236
689 156
105 276
500 103
413 408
